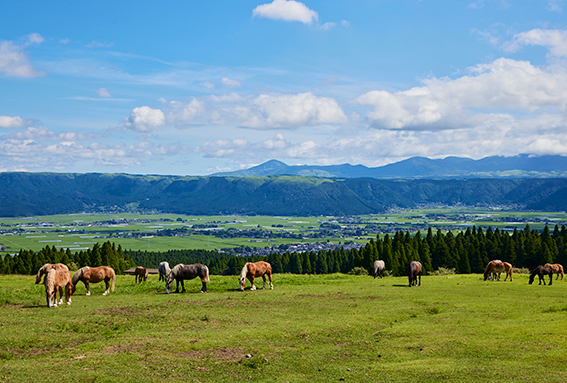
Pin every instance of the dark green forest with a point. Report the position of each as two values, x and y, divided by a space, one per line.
465 252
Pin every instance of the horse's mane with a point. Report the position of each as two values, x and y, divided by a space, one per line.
78 274
244 271
49 281
176 269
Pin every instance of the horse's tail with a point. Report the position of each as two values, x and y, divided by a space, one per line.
206 274
78 274
113 278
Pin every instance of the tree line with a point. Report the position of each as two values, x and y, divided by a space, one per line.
465 252
28 262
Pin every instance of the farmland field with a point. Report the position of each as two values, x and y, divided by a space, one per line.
143 231
320 328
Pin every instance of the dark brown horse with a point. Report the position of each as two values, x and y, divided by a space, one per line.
541 272
557 269
57 280
139 273
94 275
414 271
255 270
182 272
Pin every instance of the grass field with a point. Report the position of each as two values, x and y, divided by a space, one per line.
309 328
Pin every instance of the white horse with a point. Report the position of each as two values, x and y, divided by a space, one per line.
164 270
379 267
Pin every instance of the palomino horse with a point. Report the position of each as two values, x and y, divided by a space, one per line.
45 269
163 269
94 275
557 269
541 272
495 268
254 270
414 270
181 272
57 280
139 273
379 267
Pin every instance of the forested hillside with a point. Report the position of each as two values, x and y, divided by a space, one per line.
26 194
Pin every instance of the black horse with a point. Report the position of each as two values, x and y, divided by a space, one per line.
414 270
181 272
541 272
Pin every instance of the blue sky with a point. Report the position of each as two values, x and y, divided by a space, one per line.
193 88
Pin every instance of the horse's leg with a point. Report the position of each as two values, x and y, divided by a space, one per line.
177 285
419 276
88 288
264 278
271 284
251 279
107 282
60 295
204 287
182 286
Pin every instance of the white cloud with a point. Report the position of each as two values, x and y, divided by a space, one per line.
97 44
288 10
13 60
103 92
230 83
14 122
145 119
65 41
554 39
208 84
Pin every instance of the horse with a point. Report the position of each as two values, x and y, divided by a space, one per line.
379 267
57 280
541 272
181 272
139 273
163 269
414 270
253 270
495 268
557 269
94 275
45 269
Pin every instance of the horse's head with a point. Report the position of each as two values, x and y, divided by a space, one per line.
242 281
168 282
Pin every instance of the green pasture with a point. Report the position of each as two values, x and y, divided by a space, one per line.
322 328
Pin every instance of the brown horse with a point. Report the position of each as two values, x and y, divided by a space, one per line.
254 270
495 267
414 270
57 280
541 272
45 269
141 272
94 275
557 269
181 272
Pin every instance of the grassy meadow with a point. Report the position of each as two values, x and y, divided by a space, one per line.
309 328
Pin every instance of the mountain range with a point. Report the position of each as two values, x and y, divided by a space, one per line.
520 166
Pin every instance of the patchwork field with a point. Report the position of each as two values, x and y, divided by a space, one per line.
309 328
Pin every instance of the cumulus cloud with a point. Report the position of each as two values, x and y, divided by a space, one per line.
14 122
230 83
145 119
288 10
554 39
13 60
103 92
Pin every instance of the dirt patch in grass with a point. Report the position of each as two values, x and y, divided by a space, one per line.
121 348
221 354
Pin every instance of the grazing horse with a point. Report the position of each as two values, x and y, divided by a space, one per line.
541 272
181 272
557 269
45 269
94 275
414 270
57 280
379 267
163 269
139 273
254 270
495 268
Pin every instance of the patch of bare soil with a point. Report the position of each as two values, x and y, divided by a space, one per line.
121 348
221 354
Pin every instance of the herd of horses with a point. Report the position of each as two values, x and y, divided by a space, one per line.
57 277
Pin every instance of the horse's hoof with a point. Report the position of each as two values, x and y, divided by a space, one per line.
69 303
